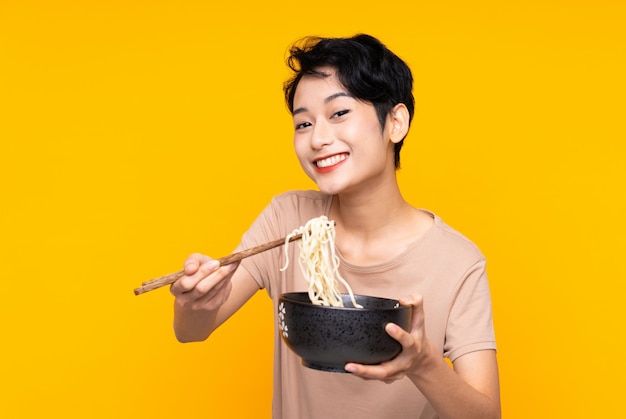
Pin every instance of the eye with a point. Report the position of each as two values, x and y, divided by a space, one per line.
340 113
303 125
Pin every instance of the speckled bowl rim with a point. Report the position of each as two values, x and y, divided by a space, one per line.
397 306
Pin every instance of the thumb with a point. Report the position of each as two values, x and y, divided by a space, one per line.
416 302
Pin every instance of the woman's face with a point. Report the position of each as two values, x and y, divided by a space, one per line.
338 139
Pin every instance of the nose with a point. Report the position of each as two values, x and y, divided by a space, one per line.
321 136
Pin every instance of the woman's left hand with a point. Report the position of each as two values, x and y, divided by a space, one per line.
415 348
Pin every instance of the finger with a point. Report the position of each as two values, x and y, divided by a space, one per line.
399 334
207 268
216 296
193 263
216 281
188 282
381 372
210 280
360 370
414 300
213 291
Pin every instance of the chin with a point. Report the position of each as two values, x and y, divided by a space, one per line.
331 189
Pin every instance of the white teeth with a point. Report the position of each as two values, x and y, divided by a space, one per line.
331 160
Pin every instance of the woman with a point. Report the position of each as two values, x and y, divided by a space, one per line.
352 105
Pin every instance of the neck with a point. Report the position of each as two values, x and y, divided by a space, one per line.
370 213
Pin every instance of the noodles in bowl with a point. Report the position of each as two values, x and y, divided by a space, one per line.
319 263
328 328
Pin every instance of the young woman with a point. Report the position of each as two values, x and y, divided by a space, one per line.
352 104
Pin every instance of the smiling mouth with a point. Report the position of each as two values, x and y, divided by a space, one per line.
330 161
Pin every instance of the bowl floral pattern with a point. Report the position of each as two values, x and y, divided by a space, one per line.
281 320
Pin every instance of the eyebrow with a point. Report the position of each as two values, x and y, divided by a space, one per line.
327 100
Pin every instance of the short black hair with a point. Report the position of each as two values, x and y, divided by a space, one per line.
364 66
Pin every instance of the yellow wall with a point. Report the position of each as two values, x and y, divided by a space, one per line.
135 132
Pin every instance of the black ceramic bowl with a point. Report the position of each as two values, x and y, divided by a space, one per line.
326 338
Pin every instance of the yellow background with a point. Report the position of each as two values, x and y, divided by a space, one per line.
135 132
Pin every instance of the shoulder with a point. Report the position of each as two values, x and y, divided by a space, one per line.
290 210
450 240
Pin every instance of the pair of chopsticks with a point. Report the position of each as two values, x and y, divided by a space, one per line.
226 260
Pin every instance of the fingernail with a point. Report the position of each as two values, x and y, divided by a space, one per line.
214 264
350 368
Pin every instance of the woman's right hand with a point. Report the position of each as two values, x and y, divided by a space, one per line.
205 285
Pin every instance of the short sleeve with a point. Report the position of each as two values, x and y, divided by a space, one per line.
262 230
470 324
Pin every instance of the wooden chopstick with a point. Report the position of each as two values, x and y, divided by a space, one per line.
235 257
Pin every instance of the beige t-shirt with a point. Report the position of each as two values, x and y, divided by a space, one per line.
442 265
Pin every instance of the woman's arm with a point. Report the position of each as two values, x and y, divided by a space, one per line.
470 390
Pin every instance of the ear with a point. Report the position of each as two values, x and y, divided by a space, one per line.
398 122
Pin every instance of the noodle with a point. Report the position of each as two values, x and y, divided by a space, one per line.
319 263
